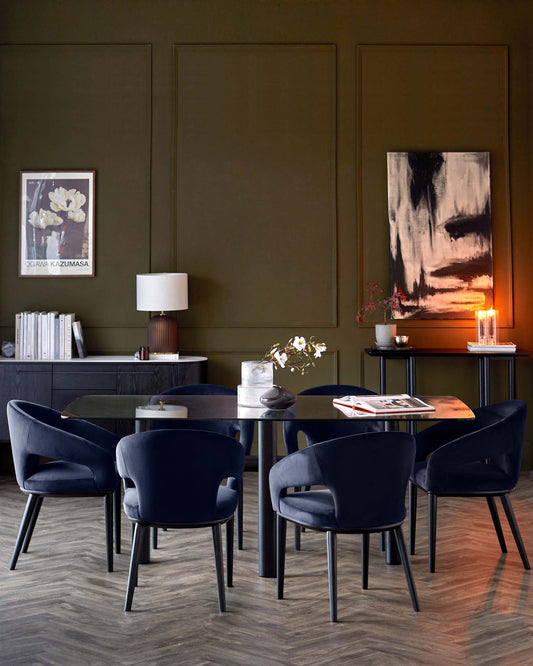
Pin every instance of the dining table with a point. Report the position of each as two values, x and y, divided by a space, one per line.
143 409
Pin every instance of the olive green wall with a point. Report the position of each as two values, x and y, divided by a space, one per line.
244 142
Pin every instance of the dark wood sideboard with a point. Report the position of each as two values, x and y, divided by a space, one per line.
56 383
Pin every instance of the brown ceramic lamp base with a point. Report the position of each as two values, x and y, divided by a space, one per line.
162 334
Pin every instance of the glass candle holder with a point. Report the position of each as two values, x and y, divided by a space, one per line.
487 327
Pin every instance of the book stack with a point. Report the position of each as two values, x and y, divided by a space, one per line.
498 348
45 336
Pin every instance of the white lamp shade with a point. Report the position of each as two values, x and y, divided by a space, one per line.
162 292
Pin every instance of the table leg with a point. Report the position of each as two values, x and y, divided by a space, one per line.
382 375
486 380
481 381
512 381
392 554
266 520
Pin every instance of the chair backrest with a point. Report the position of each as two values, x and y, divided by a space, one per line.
496 434
36 430
320 431
229 428
367 475
177 473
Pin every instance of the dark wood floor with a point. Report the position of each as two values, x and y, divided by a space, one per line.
61 607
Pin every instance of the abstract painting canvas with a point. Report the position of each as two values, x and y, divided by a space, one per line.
440 233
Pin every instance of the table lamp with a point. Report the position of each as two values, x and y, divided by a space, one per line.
162 292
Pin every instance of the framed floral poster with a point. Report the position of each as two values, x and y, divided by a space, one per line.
56 224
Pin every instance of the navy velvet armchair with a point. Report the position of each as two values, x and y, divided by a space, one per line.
243 430
173 479
81 463
477 458
364 478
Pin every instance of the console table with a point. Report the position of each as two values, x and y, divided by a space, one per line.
56 383
411 354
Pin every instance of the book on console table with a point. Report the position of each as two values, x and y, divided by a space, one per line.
506 347
383 404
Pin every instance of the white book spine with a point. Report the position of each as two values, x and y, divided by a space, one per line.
44 331
56 337
61 350
22 335
39 337
51 335
17 335
69 318
35 343
28 334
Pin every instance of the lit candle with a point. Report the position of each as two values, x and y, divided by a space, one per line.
492 326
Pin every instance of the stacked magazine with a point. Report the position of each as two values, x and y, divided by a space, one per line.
382 404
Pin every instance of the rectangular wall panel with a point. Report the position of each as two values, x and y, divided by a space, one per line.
74 106
255 184
425 98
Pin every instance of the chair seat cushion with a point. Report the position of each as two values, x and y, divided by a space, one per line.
314 508
469 478
226 504
62 477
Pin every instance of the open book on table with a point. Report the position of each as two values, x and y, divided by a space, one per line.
383 404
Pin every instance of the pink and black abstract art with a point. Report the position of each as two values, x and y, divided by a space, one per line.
440 233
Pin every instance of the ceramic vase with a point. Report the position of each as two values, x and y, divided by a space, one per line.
385 334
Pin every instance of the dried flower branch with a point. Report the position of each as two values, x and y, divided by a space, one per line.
389 304
298 354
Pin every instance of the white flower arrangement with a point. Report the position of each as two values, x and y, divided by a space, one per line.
61 200
297 355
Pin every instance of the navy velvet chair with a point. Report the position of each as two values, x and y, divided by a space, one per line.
320 431
365 478
477 458
81 464
243 429
173 479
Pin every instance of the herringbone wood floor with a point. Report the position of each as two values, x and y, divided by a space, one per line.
61 607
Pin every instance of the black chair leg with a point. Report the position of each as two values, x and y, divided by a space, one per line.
117 515
432 525
108 501
31 526
25 523
365 546
230 538
413 497
496 522
154 538
280 560
297 537
332 575
134 565
400 540
514 529
240 518
219 564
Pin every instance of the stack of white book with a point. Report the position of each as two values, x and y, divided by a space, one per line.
498 348
43 336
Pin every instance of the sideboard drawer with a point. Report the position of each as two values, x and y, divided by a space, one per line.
104 379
